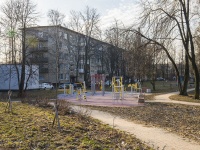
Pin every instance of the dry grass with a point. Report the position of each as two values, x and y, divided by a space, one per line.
181 119
31 95
151 96
162 86
30 127
189 98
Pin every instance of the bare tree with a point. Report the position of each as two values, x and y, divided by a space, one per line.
76 25
197 45
128 55
56 18
115 54
18 14
166 22
75 21
85 22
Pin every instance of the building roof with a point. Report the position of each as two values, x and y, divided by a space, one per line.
67 29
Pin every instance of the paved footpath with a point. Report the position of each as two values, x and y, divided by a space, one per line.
164 98
157 138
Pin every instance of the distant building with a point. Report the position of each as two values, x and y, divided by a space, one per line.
69 46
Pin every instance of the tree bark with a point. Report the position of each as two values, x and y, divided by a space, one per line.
186 77
153 85
196 75
22 79
85 63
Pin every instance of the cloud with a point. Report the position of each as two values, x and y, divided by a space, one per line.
127 13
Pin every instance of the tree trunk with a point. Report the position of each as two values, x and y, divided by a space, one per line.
186 77
85 64
22 79
153 83
196 75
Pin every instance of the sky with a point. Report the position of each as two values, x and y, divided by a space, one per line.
126 11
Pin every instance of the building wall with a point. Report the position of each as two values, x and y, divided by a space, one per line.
69 45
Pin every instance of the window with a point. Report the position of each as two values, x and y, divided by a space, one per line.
41 77
80 66
42 44
60 34
60 45
40 34
65 36
67 77
61 76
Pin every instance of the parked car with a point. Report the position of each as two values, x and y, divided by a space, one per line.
45 86
160 79
108 82
61 86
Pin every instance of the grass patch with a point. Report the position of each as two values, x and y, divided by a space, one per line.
151 96
30 127
181 119
162 86
31 95
189 98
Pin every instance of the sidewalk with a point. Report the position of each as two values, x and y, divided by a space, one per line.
155 137
164 98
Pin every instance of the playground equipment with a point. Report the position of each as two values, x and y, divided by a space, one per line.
69 90
135 87
81 93
98 80
117 88
84 87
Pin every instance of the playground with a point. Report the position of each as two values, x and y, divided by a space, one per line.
97 96
106 100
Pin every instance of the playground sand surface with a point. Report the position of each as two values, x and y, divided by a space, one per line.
98 99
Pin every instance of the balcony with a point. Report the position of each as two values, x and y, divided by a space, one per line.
43 39
43 70
39 60
39 49
81 71
98 64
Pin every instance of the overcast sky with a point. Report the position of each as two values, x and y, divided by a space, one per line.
122 10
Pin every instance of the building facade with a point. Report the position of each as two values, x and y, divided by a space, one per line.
60 54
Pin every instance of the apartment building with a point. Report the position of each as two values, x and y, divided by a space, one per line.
60 52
